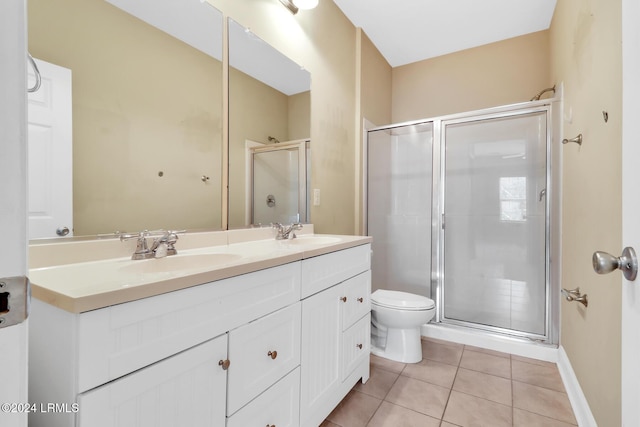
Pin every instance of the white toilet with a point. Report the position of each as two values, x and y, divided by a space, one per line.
396 318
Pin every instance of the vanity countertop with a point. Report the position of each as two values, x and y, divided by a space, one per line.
90 285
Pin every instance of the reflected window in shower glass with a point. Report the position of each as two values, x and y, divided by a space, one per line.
513 201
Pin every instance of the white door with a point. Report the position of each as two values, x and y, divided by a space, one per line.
50 153
630 209
13 169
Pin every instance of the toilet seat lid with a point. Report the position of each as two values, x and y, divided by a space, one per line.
401 300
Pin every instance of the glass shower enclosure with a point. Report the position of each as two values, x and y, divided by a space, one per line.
457 206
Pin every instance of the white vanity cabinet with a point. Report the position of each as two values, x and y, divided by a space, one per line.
114 359
335 330
280 346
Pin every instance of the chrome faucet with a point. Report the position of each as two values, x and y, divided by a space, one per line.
163 244
284 232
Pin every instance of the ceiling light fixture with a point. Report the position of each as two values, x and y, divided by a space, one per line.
295 5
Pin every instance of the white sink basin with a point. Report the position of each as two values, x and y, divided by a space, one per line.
176 263
312 240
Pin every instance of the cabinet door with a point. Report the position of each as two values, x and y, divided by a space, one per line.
187 389
320 364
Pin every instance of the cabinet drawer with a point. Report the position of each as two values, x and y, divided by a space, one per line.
278 406
321 272
184 390
261 353
117 340
357 303
355 345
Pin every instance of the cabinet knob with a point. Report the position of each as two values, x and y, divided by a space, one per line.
343 299
360 299
271 425
359 346
273 354
224 364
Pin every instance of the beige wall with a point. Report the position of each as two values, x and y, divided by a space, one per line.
323 42
375 84
586 55
143 102
501 73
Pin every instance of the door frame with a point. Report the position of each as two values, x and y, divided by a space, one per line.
13 197
630 337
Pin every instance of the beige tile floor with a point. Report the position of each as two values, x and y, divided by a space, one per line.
457 385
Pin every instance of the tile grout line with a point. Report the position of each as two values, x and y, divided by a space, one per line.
385 396
513 411
444 411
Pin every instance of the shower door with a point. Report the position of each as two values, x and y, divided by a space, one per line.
399 177
493 223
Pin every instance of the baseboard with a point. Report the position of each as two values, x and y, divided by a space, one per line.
577 398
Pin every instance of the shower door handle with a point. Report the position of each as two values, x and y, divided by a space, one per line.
543 193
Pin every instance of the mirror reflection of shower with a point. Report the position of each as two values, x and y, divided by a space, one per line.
278 184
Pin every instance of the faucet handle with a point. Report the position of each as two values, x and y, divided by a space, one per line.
142 249
171 239
139 235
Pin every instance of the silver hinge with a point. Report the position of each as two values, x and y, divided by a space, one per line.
15 300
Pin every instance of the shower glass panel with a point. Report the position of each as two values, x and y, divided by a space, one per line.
494 223
279 185
399 177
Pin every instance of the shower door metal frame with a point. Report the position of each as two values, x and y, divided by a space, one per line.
437 233
438 214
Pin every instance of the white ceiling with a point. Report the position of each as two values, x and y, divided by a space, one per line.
406 31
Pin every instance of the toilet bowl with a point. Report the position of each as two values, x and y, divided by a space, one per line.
396 318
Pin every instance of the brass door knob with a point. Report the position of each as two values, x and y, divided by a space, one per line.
273 354
343 299
224 364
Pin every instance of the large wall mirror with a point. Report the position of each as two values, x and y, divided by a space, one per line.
269 131
146 109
